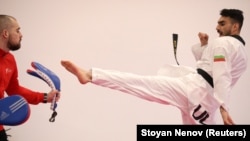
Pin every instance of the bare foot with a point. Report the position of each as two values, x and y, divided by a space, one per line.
82 75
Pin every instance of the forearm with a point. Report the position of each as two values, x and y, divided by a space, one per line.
197 51
31 96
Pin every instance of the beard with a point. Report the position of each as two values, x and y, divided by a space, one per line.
13 47
225 33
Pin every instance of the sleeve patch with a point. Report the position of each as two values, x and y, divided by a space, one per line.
218 58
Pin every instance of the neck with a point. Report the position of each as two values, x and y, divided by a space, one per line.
4 48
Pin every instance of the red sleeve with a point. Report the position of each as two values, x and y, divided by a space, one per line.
31 96
14 88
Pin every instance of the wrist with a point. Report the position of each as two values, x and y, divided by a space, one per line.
45 98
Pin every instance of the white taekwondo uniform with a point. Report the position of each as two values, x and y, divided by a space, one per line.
224 59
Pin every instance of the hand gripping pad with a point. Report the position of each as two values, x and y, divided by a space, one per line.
14 110
47 76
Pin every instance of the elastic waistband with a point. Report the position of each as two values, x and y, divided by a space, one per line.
206 76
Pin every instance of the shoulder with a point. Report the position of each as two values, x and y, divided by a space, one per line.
10 56
223 39
226 41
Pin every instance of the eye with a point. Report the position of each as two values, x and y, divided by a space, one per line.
18 30
222 24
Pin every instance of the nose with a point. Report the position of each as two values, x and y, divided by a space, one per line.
21 35
217 27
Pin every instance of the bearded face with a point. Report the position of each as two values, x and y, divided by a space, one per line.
14 41
13 46
13 36
225 26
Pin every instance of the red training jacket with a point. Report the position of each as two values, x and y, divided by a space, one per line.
9 81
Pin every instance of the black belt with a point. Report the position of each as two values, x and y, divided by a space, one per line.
206 76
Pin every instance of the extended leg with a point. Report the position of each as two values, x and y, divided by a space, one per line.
82 75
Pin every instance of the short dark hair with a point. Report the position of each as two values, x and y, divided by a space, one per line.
5 21
235 14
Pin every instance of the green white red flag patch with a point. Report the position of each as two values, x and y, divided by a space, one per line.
218 58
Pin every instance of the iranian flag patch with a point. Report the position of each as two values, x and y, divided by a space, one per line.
218 58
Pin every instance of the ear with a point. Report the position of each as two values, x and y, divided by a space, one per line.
236 27
5 33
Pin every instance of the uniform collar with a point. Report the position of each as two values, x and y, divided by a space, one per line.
239 38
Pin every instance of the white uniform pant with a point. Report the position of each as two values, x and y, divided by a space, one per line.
177 86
